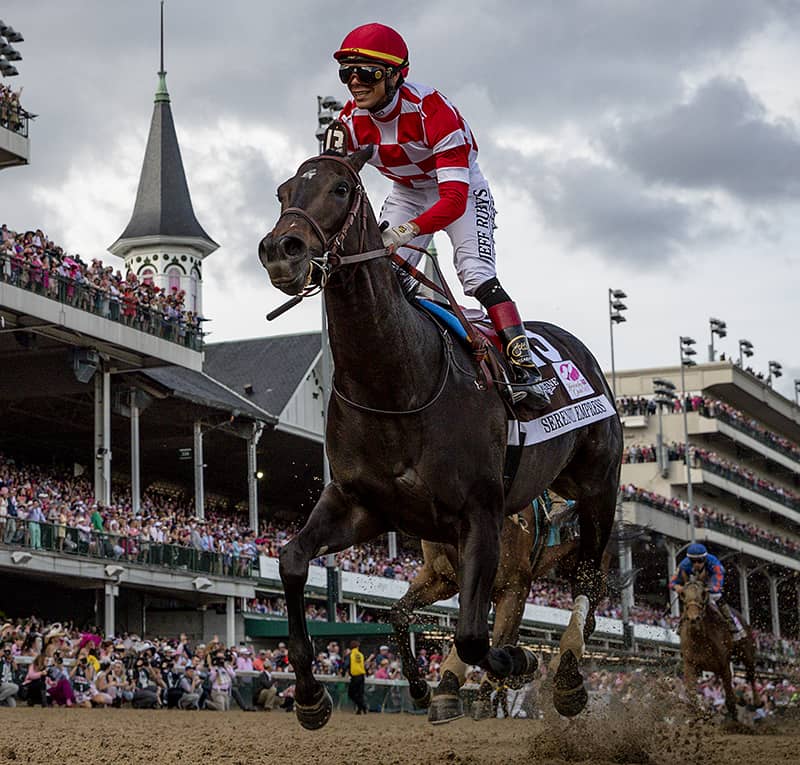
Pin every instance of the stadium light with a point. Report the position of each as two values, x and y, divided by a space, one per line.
615 309
718 328
687 351
7 69
7 53
745 350
775 370
328 109
21 558
202 583
665 395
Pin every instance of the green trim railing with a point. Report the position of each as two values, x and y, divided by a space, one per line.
101 545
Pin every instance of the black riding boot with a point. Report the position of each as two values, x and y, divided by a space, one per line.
725 610
507 322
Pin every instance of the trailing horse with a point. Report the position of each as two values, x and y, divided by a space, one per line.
525 554
707 645
416 442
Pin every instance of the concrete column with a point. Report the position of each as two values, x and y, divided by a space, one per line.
102 437
353 613
199 499
626 571
136 486
230 621
773 605
412 639
98 435
106 498
111 591
392 536
744 593
252 468
672 551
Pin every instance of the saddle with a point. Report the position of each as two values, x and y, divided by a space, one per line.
495 367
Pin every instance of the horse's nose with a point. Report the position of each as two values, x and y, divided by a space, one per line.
263 249
291 246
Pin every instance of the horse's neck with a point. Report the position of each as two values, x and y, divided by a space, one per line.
375 334
373 329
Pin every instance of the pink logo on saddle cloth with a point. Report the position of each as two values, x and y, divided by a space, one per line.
576 384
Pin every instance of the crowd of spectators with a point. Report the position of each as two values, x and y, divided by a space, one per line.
717 464
32 261
706 517
58 665
12 115
714 409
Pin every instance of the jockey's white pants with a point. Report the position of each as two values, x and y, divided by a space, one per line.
472 235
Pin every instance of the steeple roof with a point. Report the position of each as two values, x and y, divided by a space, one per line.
163 209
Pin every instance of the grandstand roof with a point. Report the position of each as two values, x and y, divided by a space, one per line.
163 205
274 366
200 388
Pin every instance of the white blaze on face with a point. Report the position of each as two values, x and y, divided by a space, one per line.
309 174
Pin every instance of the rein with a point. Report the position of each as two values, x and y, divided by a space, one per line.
332 259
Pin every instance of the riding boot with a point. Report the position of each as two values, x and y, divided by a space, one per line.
527 378
736 632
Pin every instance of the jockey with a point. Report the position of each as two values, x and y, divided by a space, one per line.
425 147
701 564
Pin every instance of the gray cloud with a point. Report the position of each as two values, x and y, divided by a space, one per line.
722 138
609 212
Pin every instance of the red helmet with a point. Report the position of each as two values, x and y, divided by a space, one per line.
375 42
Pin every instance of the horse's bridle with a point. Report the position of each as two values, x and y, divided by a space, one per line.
331 257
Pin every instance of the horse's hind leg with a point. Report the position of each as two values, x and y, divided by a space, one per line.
727 684
596 516
429 586
335 523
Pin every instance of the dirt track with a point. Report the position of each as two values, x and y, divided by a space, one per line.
89 737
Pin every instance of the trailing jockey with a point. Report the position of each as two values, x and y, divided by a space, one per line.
426 148
701 564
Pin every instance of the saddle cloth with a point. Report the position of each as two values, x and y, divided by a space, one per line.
574 401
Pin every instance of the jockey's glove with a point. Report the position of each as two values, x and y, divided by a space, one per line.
397 236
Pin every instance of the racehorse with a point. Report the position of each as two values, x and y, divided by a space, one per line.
416 444
707 644
525 554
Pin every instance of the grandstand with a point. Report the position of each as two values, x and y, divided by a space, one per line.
745 478
155 476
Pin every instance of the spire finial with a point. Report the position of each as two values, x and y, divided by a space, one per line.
161 94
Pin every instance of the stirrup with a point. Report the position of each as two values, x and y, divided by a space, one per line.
529 389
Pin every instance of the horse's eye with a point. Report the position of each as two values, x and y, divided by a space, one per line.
342 190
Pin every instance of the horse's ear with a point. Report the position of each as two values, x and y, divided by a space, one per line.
359 158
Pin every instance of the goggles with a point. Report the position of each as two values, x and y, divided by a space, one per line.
367 73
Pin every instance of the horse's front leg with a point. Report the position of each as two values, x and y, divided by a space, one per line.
427 587
479 553
336 522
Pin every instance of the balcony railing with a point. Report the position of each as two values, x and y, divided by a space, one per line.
765 437
14 118
703 520
100 545
765 490
85 296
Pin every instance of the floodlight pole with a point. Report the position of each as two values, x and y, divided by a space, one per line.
689 493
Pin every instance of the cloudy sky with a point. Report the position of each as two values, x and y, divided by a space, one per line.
652 147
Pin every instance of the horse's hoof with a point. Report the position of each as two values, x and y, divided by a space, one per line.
569 695
523 660
315 716
498 662
445 709
424 701
481 709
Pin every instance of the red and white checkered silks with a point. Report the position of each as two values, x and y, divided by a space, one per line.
420 138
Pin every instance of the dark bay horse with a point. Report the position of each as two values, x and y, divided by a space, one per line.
707 645
414 443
